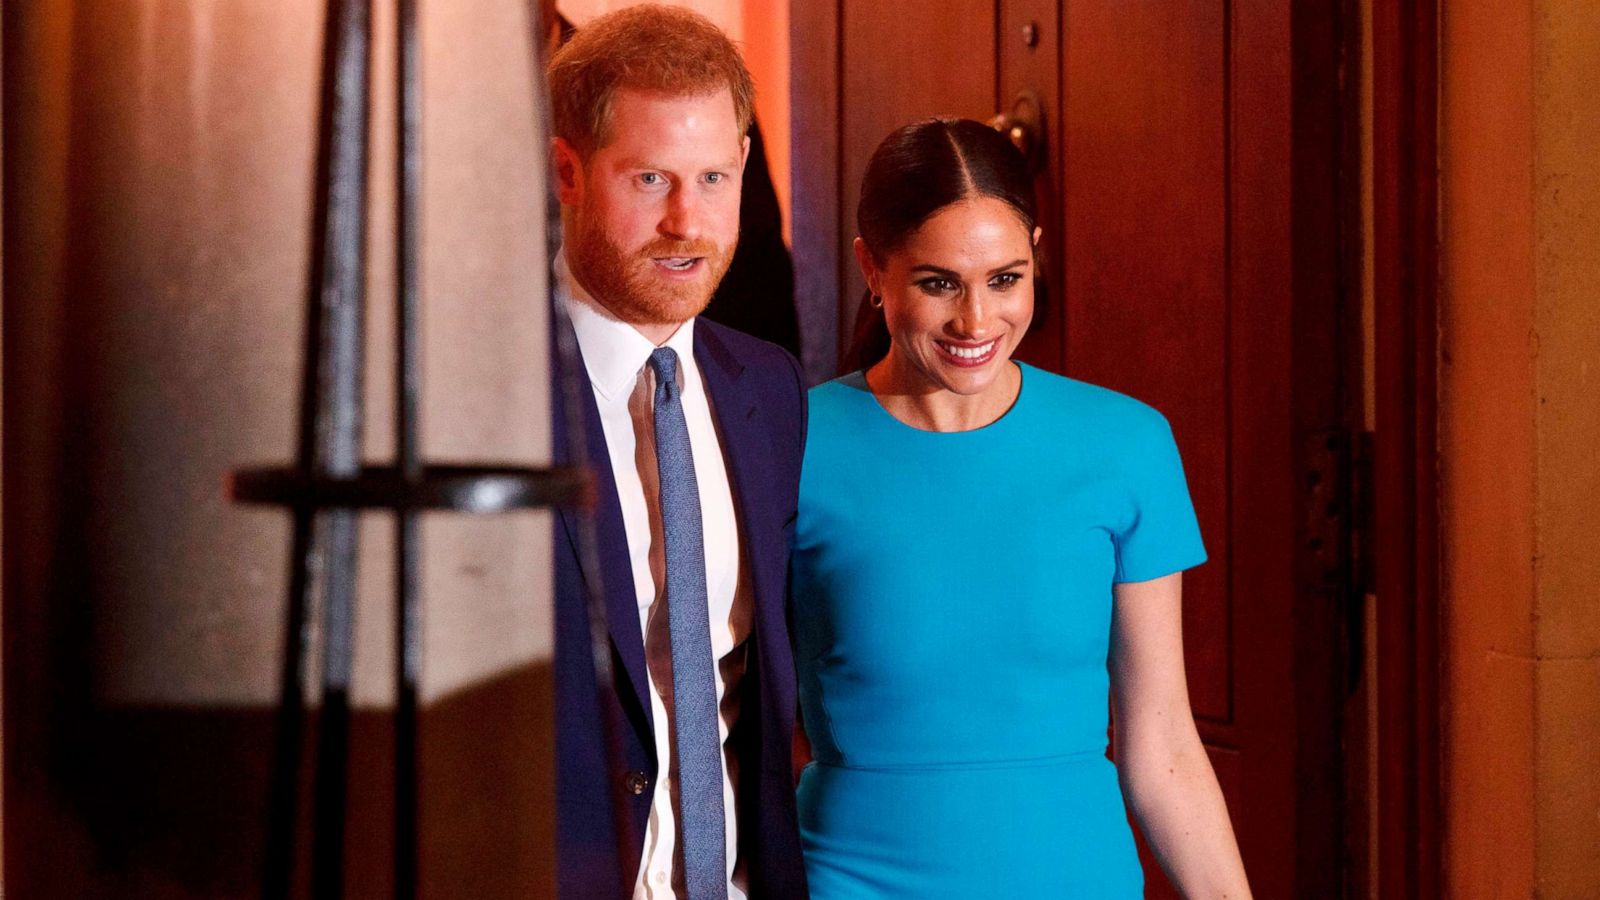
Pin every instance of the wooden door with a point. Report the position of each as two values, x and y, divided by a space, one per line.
1188 264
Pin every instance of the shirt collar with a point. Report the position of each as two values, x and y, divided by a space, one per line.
613 351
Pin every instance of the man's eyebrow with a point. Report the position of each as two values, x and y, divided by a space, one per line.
642 163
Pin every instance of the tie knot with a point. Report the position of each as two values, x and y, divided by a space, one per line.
664 362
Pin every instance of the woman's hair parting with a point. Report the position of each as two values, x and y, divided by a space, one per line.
917 171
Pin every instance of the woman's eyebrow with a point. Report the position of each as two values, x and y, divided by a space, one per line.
952 274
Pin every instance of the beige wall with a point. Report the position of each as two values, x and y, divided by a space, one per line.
162 178
173 189
1567 509
1519 426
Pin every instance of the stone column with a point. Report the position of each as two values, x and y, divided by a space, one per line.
1519 426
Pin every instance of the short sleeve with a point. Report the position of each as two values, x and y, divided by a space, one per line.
1161 534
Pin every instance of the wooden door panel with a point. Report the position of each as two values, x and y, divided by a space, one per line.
1267 504
1147 256
1029 45
903 61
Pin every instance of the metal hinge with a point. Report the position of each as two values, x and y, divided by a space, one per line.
1363 505
1339 539
1339 509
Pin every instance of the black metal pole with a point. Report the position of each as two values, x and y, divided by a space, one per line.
341 248
323 551
327 483
284 792
408 386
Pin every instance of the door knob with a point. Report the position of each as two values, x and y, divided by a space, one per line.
1023 125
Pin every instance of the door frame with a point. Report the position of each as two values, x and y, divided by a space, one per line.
1408 690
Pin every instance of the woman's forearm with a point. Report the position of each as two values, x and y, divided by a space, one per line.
1173 794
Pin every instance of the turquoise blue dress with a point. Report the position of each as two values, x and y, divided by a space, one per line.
952 613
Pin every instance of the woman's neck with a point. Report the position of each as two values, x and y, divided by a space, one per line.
908 396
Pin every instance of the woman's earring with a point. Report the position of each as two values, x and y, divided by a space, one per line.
876 301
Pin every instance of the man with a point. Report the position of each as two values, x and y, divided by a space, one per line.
756 296
694 433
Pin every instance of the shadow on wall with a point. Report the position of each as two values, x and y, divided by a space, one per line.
157 202
168 802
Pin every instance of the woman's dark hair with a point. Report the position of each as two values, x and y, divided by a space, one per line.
917 171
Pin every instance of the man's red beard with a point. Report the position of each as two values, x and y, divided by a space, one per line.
627 283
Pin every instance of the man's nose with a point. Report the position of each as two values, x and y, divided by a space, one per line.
683 214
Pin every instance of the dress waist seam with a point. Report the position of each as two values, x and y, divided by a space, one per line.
1036 762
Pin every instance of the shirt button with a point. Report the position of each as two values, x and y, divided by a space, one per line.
661 877
636 782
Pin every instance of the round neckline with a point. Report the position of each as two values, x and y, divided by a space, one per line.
859 377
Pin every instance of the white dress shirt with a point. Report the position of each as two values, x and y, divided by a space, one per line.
615 356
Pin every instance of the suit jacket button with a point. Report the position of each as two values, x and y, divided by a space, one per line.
636 782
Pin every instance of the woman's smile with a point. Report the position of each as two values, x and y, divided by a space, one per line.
968 354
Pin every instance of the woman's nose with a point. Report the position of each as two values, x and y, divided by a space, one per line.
971 319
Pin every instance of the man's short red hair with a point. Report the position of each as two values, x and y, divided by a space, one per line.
648 47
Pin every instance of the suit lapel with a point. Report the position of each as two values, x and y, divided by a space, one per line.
745 449
615 574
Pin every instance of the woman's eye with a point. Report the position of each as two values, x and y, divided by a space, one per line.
936 286
1005 281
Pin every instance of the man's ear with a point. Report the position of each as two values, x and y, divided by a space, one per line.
744 155
569 171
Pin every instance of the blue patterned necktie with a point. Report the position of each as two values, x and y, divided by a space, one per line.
697 743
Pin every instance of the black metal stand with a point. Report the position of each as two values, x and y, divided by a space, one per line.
328 483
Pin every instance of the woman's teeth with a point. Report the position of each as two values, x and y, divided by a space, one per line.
977 352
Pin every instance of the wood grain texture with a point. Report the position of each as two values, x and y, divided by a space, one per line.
902 63
1405 259
1146 259
1266 516
1037 68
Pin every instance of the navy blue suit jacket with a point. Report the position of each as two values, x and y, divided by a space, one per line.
759 401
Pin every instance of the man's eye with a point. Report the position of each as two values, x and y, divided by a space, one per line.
715 177
650 179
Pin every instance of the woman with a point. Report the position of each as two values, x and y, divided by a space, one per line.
976 539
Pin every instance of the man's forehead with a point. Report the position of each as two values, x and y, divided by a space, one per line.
649 96
632 108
